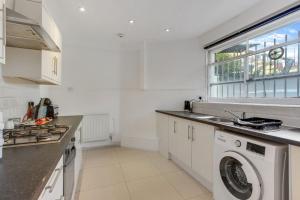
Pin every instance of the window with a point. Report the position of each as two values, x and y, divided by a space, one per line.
266 65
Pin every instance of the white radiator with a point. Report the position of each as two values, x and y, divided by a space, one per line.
95 128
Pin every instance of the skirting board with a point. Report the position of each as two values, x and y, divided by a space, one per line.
89 145
140 143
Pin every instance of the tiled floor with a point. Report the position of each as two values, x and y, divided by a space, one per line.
117 173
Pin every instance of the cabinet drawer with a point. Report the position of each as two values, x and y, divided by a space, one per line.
54 187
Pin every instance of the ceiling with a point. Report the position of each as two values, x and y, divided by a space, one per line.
104 19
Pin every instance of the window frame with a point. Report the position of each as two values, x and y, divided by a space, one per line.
292 18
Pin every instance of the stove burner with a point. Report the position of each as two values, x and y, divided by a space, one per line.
32 134
42 136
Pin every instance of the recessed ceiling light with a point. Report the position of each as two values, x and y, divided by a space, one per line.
82 9
131 21
167 30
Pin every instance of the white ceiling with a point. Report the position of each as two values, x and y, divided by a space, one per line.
103 19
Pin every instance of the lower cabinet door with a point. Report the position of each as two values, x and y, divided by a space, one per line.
202 150
54 188
294 172
162 123
183 142
172 136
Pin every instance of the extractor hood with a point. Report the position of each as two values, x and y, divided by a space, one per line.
23 32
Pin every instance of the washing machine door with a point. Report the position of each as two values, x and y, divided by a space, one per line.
239 177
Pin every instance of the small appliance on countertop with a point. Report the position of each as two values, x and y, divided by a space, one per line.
188 104
45 109
1 134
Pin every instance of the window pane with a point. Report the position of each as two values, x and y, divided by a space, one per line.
231 52
214 91
269 88
279 36
292 59
279 87
291 87
225 91
260 89
220 91
251 89
237 90
230 90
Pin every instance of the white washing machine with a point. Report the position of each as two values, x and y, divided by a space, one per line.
249 169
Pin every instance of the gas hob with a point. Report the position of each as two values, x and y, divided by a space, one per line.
25 135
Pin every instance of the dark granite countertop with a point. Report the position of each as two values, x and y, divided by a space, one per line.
286 135
24 171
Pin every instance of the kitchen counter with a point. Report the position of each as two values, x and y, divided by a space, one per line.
24 171
286 135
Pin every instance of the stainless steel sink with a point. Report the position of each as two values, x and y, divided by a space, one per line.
218 119
200 116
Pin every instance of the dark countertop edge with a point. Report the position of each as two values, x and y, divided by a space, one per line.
70 133
231 128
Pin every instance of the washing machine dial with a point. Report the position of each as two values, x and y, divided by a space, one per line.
238 143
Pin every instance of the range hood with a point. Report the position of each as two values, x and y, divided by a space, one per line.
23 32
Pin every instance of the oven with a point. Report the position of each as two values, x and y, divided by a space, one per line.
69 169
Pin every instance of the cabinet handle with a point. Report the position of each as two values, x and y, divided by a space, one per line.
51 186
174 127
189 132
193 133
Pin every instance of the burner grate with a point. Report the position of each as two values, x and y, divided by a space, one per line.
31 134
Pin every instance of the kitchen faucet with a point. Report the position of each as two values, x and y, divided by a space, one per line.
243 116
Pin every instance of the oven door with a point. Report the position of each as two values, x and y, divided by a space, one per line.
69 161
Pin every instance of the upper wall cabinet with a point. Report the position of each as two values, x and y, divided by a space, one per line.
33 47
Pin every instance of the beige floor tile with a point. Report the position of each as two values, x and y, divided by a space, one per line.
165 166
138 170
154 188
95 177
115 192
205 196
185 184
100 158
131 155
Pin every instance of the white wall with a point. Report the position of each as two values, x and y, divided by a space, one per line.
14 95
98 80
170 74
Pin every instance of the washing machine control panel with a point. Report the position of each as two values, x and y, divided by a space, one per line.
256 148
238 143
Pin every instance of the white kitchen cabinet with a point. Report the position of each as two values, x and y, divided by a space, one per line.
184 142
202 150
162 125
43 67
172 135
78 158
2 31
190 144
294 154
37 10
40 66
54 188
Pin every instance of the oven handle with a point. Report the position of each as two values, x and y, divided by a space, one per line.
51 186
71 157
